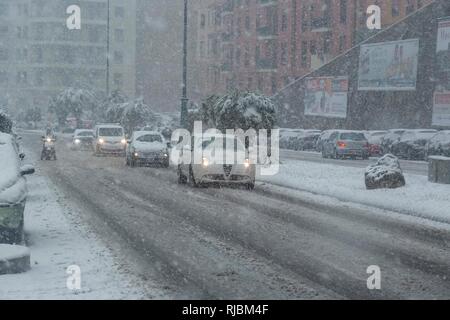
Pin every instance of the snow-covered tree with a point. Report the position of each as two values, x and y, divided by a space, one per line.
72 102
110 108
242 110
136 114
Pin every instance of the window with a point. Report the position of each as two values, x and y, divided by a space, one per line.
119 35
395 8
284 22
118 57
284 53
118 80
343 11
21 77
304 53
119 12
3 54
202 21
3 77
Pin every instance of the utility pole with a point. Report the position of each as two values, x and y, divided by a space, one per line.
107 47
184 99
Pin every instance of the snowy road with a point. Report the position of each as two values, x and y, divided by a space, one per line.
226 243
414 167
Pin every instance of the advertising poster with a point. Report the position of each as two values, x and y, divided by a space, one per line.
326 97
388 66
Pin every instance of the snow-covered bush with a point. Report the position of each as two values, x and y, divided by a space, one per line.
5 122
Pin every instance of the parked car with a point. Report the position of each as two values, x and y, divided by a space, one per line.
13 191
439 145
322 138
375 138
147 147
82 139
389 139
299 139
109 139
344 143
412 144
216 170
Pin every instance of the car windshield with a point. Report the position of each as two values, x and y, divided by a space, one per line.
224 143
85 134
353 136
149 138
110 132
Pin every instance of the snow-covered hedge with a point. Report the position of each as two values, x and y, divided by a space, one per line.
5 122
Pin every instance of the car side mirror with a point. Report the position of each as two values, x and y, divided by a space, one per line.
26 170
129 141
169 145
22 156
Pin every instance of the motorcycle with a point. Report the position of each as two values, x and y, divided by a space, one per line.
48 149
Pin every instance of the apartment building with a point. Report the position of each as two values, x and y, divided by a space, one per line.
40 56
263 45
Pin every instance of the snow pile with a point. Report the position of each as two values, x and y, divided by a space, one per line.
11 252
58 238
14 259
12 185
418 198
386 173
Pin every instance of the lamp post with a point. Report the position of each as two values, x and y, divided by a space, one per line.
107 47
184 99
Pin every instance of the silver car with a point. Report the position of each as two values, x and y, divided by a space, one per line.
344 143
215 166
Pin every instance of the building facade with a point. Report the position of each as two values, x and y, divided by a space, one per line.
40 56
263 45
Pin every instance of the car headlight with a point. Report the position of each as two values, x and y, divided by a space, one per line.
247 163
77 141
49 140
136 154
123 141
101 141
205 162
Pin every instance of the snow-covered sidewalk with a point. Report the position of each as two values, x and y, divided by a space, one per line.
57 240
419 198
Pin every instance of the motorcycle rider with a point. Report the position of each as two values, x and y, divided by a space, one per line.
48 147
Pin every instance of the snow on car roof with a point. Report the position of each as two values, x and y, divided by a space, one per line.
109 126
144 133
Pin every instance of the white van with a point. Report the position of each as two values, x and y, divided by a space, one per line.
109 139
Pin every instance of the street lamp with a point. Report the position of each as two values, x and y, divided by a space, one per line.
107 47
184 99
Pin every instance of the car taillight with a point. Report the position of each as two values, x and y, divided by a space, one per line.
341 144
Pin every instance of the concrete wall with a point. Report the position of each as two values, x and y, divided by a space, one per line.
369 109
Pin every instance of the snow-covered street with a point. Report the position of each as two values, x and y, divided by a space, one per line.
58 239
276 242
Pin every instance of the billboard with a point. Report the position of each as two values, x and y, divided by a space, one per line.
441 100
326 97
441 109
388 66
443 45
